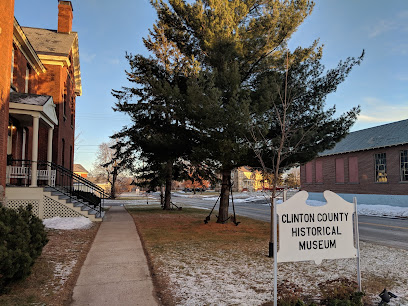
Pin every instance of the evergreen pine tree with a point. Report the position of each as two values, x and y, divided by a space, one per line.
234 42
160 130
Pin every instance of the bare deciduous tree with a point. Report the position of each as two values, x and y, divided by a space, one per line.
296 125
107 168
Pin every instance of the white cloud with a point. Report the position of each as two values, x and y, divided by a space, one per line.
402 77
400 49
114 61
382 27
365 118
376 110
399 23
86 57
403 14
373 101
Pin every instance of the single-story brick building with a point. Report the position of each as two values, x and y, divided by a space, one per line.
369 161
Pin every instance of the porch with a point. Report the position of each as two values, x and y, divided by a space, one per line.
51 189
59 191
28 113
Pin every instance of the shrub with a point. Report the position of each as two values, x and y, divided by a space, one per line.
289 294
22 238
341 292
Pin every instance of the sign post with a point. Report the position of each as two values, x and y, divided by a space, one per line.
316 232
275 258
357 243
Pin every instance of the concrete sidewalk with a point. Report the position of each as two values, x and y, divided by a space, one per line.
115 271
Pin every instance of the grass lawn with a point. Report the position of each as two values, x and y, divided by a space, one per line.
55 272
222 264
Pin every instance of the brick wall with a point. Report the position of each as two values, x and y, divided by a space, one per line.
366 173
65 17
57 82
19 72
6 43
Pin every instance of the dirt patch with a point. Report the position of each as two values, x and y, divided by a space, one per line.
56 271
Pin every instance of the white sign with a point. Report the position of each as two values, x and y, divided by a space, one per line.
315 232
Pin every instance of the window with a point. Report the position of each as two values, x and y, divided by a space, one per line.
64 106
72 112
353 169
339 170
63 153
404 165
319 171
12 65
27 78
380 168
309 174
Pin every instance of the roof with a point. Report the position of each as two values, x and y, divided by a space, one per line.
245 169
79 168
23 106
53 47
21 40
30 99
387 135
47 41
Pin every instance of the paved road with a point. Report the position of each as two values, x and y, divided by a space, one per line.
384 231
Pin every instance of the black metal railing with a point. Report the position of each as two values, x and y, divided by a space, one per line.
58 178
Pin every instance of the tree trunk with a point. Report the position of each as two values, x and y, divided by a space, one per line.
161 196
167 193
224 200
113 191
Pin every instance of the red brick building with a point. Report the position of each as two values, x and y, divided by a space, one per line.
370 161
6 46
80 170
40 80
45 81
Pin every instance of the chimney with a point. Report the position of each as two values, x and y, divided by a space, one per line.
65 16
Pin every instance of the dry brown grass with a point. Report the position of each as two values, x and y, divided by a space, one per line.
188 226
181 238
163 230
65 252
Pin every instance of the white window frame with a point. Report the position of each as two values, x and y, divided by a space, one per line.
404 165
381 168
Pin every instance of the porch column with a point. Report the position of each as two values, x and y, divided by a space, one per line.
49 153
49 150
34 156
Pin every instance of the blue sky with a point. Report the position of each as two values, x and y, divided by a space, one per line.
107 29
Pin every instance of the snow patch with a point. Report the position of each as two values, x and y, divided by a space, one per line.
200 278
67 223
62 272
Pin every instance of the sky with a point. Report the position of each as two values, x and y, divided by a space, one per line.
108 29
